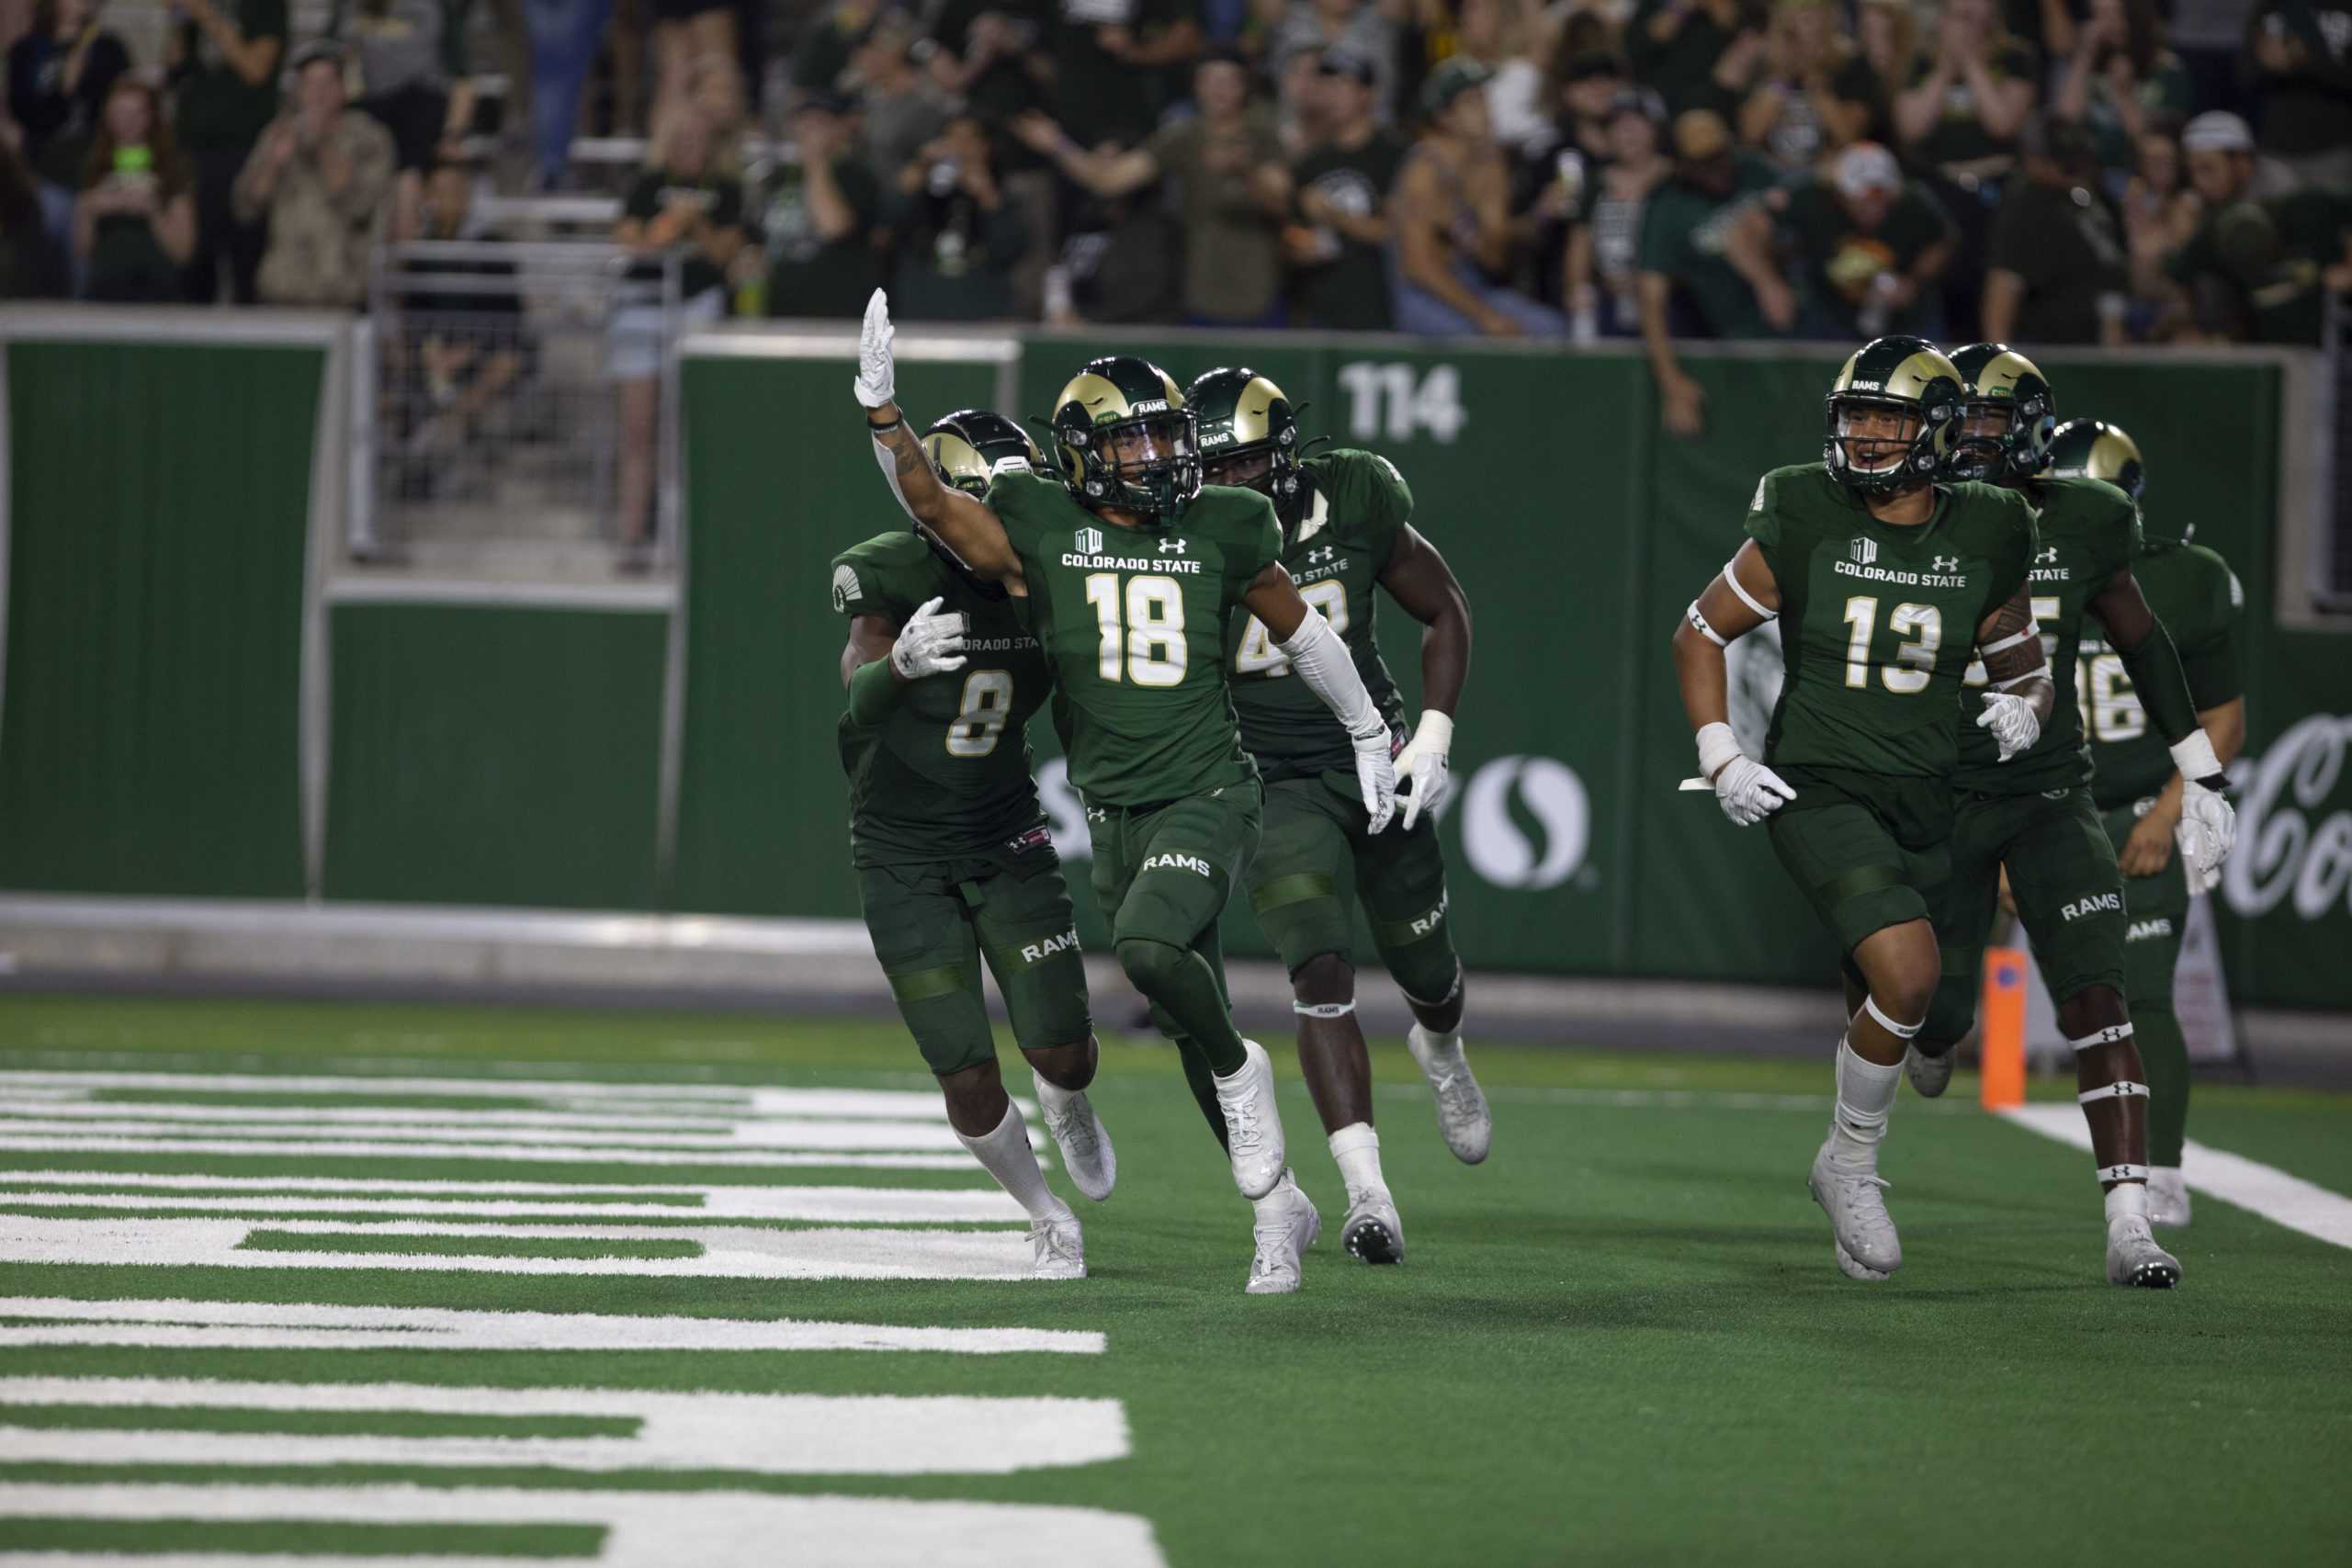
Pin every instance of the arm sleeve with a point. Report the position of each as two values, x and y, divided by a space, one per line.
2209 655
2156 675
1321 660
872 693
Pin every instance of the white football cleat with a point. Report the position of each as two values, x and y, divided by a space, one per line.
1372 1233
2167 1197
1929 1074
1285 1226
2134 1258
1058 1249
1461 1114
1863 1230
1078 1133
1253 1128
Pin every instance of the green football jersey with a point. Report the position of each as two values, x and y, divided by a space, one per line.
947 772
1356 504
1879 622
2090 531
1133 622
2197 596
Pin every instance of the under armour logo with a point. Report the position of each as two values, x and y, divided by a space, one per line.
1316 558
1865 550
1090 541
1171 547
2048 557
1947 563
1097 813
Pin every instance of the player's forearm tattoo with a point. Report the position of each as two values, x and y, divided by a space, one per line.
2009 653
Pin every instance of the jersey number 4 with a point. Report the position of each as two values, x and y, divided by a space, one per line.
1259 656
1143 628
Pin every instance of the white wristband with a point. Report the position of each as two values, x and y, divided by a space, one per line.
1718 748
2195 758
1434 733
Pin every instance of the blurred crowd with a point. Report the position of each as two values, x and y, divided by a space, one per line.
2057 171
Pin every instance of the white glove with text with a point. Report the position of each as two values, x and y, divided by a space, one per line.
928 644
878 377
1427 764
2013 722
1748 790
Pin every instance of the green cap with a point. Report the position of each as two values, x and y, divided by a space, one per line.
1449 81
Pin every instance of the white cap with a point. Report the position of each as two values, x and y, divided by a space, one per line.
1866 166
2217 130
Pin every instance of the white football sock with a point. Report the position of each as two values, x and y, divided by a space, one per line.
1357 1148
1444 1044
1006 1155
1865 1095
2127 1199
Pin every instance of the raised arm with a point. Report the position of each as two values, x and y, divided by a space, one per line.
1417 578
966 526
1743 596
1318 658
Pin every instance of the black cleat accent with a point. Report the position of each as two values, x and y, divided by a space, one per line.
1372 1242
2155 1277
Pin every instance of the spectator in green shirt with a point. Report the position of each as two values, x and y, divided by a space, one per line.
2257 270
2299 64
960 237
1706 261
1957 122
223 59
2120 78
1677 47
819 218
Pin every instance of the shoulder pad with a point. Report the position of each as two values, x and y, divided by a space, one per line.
875 576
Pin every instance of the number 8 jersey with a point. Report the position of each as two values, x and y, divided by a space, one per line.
1133 623
1878 622
947 774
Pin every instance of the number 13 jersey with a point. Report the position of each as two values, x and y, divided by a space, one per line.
1878 621
1134 623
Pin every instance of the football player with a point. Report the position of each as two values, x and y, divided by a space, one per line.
953 864
2137 784
1345 519
2033 812
1882 580
1130 569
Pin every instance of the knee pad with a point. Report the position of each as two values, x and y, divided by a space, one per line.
1149 964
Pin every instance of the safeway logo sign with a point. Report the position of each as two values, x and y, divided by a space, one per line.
2290 850
1549 797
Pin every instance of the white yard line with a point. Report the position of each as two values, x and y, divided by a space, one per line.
559 1154
803 1134
762 1434
876 1205
644 1097
834 1253
2284 1199
650 1530
170 1324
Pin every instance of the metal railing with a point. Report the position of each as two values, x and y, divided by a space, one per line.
487 427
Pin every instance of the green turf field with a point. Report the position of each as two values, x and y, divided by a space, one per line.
1622 1339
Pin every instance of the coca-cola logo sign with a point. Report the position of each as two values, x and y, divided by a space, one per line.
2292 849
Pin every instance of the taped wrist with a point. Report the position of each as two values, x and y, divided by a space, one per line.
1718 748
1321 660
1433 735
873 691
2197 762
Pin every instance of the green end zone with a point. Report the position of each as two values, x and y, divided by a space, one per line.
1622 1338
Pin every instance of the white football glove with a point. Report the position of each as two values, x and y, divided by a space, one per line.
2208 825
2013 722
928 644
878 377
1427 764
1376 775
1748 790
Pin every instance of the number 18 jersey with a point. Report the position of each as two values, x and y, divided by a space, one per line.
1134 623
1878 622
